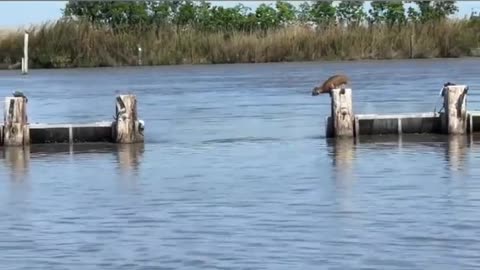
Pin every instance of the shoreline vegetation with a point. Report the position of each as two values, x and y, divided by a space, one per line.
109 34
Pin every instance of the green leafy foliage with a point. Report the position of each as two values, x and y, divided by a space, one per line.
351 12
205 16
389 12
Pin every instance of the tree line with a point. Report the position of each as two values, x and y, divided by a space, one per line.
204 16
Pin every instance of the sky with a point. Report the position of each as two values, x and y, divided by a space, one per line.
15 14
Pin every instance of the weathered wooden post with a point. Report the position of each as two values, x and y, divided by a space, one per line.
454 102
16 131
342 113
127 128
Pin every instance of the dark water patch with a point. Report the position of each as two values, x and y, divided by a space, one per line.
316 137
242 140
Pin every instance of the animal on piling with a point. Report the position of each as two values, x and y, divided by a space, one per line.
20 94
335 81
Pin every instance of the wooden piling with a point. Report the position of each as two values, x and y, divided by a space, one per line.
127 127
456 119
342 113
16 131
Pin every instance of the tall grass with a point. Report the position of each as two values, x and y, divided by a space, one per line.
79 44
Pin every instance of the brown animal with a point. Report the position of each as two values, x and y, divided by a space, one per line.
331 83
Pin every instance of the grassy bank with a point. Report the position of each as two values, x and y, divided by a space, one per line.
76 44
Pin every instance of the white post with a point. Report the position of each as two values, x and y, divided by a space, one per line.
25 54
139 55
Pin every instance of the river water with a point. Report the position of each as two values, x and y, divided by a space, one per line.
236 173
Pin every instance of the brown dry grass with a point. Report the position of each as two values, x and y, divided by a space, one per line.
77 44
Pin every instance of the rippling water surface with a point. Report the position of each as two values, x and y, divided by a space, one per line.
236 173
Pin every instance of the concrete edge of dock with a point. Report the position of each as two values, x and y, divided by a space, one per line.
16 130
454 120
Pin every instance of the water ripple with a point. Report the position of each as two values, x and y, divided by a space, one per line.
236 173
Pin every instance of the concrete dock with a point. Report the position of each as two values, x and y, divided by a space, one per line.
455 119
71 133
17 131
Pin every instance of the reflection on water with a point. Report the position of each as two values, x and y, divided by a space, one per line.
456 151
343 150
17 159
343 155
455 147
129 156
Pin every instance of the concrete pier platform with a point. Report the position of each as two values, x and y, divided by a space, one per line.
455 119
423 122
386 124
71 133
16 130
473 121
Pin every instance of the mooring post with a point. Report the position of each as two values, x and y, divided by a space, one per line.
455 116
127 128
342 113
16 131
23 65
139 56
25 54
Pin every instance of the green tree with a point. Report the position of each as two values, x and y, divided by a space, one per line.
323 13
266 17
303 12
203 16
160 12
389 12
286 12
351 12
228 18
185 13
431 10
115 14
377 12
90 11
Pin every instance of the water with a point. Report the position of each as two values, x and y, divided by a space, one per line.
236 173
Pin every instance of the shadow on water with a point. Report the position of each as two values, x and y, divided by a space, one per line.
128 156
